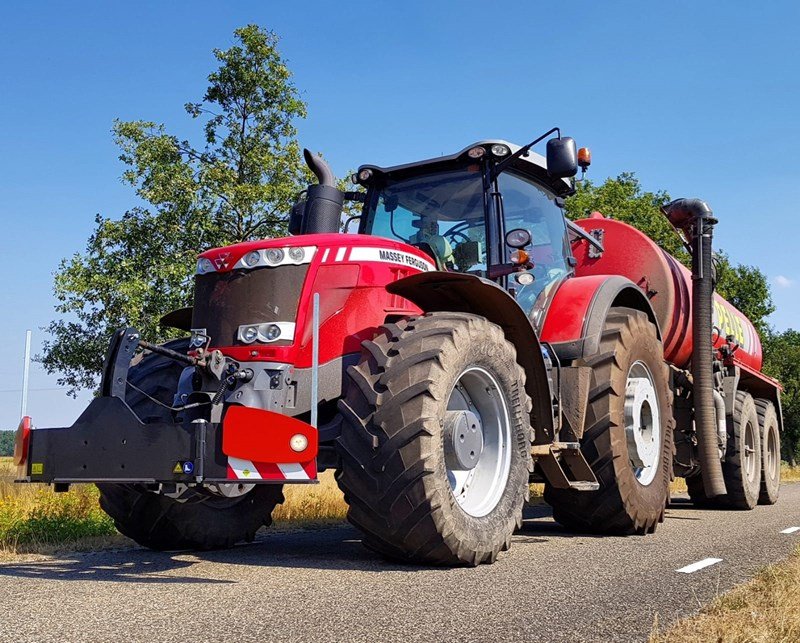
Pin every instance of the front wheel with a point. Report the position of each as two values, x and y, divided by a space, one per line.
436 441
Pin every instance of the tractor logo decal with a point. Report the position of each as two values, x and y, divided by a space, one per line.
385 255
221 262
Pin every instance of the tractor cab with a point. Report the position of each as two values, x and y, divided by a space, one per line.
460 209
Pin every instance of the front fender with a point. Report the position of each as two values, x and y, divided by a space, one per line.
459 292
577 313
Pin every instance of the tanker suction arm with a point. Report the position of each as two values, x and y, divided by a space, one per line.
695 220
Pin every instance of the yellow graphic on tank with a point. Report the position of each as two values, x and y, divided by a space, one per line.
730 323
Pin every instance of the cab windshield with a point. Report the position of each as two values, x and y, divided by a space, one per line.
443 215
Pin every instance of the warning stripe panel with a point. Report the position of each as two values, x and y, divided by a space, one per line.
239 469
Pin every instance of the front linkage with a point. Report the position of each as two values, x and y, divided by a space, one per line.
109 443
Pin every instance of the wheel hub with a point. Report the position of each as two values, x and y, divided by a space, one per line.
642 423
463 435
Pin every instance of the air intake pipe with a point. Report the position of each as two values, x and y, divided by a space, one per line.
696 221
321 211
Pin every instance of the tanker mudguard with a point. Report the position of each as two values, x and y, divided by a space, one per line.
438 291
578 311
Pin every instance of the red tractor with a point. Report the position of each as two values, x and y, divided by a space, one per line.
468 341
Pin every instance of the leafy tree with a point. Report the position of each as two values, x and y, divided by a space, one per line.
782 361
238 185
747 288
7 443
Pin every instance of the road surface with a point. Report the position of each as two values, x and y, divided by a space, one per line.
322 585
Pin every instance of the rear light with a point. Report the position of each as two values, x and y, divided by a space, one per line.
22 441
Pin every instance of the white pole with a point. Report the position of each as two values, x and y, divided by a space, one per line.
25 371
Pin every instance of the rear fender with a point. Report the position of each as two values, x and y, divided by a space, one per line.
578 311
458 292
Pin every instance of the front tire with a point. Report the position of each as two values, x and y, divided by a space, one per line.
198 519
628 440
436 441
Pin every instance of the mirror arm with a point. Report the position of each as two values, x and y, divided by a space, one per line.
503 165
585 235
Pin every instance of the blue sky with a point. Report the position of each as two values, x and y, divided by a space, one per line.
699 99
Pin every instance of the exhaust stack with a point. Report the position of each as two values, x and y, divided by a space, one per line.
694 218
321 210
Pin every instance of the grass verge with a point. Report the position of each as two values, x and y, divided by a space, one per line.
765 609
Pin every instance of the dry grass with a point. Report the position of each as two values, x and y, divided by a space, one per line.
766 609
312 502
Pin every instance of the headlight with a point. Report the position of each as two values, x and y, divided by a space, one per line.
204 265
499 150
274 256
251 259
266 332
297 254
476 152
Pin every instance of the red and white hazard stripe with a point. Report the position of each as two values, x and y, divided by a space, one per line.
239 469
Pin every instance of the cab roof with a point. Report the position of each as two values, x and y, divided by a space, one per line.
533 165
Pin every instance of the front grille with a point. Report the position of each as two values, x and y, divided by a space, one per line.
226 300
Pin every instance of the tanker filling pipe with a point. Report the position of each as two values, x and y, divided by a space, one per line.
694 218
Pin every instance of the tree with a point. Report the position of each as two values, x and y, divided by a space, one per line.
239 185
623 198
7 443
782 361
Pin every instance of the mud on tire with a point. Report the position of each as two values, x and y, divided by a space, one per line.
394 475
199 520
622 505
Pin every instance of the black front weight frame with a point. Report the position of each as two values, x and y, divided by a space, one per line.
109 443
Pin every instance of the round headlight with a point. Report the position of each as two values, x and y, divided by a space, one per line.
298 442
273 332
274 256
364 175
297 254
252 258
524 278
249 334
205 265
476 152
499 150
518 238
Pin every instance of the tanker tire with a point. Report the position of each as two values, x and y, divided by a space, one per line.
200 520
770 452
622 505
393 471
697 494
743 475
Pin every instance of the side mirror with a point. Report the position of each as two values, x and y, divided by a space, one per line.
562 157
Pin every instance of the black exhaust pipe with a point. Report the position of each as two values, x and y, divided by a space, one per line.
695 219
322 209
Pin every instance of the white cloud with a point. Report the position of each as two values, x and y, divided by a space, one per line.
783 282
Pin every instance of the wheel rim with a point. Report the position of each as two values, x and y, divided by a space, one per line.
773 458
477 465
642 423
750 460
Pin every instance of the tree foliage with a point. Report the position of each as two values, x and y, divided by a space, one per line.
7 443
782 352
239 184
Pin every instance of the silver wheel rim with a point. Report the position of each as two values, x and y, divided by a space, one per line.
773 459
750 459
230 489
478 489
642 423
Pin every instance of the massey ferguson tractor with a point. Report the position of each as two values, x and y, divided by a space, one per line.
467 341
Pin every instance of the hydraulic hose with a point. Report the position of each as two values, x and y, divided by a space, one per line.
696 220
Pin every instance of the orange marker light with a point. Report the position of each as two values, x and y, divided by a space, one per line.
519 257
584 157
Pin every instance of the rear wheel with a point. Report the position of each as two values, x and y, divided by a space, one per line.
770 452
195 519
436 441
742 465
628 440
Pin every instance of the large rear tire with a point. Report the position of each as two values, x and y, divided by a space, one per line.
770 452
198 519
420 486
628 440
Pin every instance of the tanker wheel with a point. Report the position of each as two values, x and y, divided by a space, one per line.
196 519
770 452
436 441
741 467
628 440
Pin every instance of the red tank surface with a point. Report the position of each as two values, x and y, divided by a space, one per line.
668 286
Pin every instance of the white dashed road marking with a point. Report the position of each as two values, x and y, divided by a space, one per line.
700 564
790 530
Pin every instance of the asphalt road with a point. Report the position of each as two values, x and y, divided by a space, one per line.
322 585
